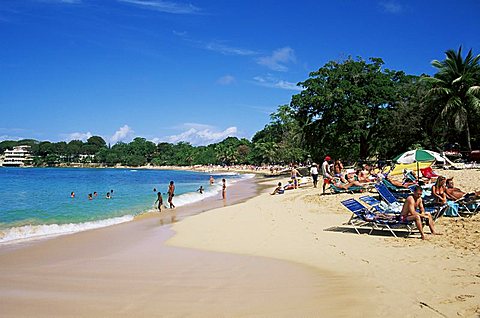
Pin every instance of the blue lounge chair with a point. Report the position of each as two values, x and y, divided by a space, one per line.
397 191
363 217
395 205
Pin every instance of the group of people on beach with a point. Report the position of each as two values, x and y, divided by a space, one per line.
171 193
91 196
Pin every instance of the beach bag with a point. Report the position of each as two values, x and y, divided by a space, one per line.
452 209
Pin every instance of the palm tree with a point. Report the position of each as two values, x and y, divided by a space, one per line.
456 89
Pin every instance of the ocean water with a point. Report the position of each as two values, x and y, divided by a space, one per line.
36 202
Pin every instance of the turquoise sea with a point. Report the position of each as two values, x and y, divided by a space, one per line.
36 202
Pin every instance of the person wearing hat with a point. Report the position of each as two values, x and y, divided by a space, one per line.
327 175
314 174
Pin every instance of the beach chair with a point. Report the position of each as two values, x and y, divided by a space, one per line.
354 189
371 201
365 218
396 206
398 191
429 173
468 207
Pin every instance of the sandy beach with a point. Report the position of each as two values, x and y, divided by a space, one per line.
268 256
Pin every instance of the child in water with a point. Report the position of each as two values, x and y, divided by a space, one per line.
224 189
160 201
200 190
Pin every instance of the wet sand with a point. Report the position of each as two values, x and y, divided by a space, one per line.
127 270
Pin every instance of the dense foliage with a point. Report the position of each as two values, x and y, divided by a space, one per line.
352 109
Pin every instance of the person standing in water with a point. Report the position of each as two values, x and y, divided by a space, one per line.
224 189
160 201
200 189
171 194
212 181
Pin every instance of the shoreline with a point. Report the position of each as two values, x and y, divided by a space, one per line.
241 190
283 256
128 270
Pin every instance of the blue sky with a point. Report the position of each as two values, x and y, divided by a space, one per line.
197 71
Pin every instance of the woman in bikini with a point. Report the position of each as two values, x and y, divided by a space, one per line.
439 190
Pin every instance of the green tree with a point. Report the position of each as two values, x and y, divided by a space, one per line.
455 94
341 106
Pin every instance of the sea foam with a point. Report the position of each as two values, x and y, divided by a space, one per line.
26 232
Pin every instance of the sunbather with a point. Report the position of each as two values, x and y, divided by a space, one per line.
399 184
409 212
339 184
454 194
439 190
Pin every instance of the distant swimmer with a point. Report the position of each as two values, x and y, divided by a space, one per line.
224 189
95 194
90 196
160 201
72 194
108 196
171 194
200 190
111 192
154 189
212 181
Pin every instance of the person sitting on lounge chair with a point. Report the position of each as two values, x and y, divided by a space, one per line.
455 194
399 184
409 212
439 191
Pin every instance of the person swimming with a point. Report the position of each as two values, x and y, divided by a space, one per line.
95 194
90 196
72 194
108 196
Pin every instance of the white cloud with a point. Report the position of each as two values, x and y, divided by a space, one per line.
278 59
227 50
124 133
202 134
391 6
226 80
79 136
269 81
165 6
179 33
9 137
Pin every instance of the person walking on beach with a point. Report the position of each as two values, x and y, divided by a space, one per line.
294 174
314 174
327 175
224 189
409 212
159 200
171 194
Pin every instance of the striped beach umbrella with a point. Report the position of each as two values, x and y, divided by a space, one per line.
417 156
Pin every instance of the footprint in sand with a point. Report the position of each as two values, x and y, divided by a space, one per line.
463 297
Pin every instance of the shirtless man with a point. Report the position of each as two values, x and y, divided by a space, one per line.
409 212
327 175
456 194
294 175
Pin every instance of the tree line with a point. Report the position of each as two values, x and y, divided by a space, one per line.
351 109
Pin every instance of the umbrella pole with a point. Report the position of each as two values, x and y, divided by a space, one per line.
418 172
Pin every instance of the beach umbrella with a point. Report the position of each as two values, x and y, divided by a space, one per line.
417 156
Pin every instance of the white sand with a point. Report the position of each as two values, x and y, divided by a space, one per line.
403 277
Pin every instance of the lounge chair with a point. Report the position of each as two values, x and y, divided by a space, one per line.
396 206
429 173
400 192
353 189
468 206
365 218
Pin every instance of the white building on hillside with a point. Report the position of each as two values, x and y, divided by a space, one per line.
17 157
